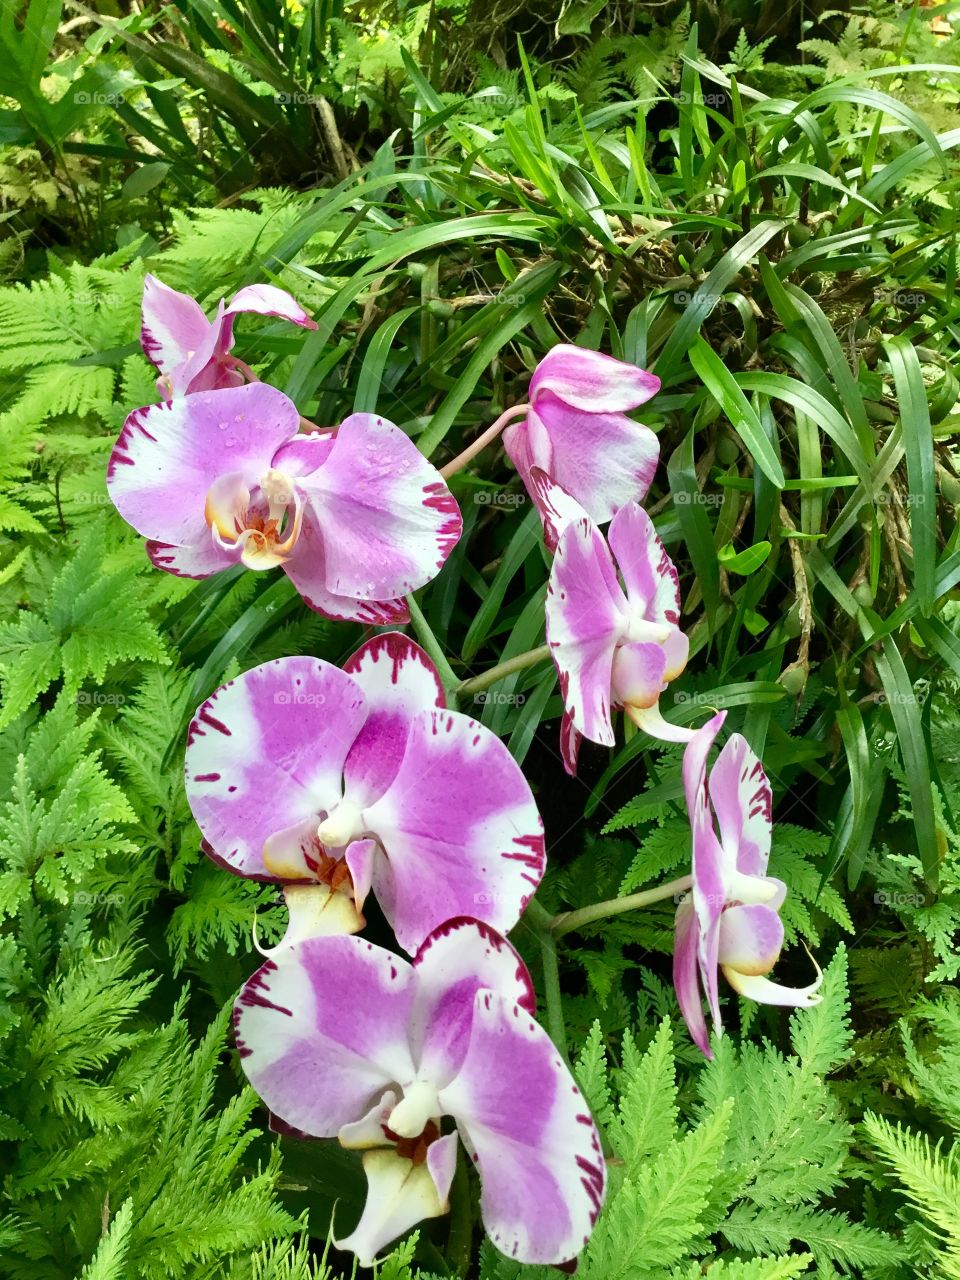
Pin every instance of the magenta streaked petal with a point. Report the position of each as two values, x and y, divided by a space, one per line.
592 381
173 324
387 518
198 560
604 460
638 674
305 569
399 1195
708 863
529 1131
557 508
460 830
585 618
743 802
750 939
266 752
398 681
268 300
168 456
686 970
651 579
322 1031
453 964
570 739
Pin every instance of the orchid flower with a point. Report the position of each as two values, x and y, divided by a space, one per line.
192 352
730 921
355 516
576 431
335 782
341 1038
612 645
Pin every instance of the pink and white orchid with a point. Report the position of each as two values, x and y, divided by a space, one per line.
341 1038
192 352
730 920
335 782
613 646
355 516
577 432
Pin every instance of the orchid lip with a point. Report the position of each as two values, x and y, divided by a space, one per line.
237 519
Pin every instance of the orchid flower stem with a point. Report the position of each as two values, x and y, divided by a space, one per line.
482 440
568 921
540 920
451 681
503 669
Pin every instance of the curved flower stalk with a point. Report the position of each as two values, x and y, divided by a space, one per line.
577 432
612 645
355 516
335 783
192 352
730 920
341 1038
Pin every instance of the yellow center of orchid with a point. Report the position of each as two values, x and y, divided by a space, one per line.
265 524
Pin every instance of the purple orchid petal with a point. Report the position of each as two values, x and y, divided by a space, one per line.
173 326
529 1131
268 300
686 968
305 567
460 830
198 560
455 962
557 508
585 618
304 453
399 1195
651 579
570 740
322 1031
592 381
750 939
168 456
398 680
709 866
387 519
743 803
266 753
603 460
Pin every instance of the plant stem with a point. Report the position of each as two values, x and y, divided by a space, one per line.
451 680
540 921
482 440
568 921
504 669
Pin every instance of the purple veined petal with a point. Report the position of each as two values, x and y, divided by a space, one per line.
525 1124
651 721
387 518
460 830
322 1031
398 681
686 979
282 732
173 324
304 453
743 802
399 1195
751 938
456 961
651 579
198 560
570 739
557 508
267 300
585 617
168 456
604 460
305 568
638 674
708 862
592 381
317 911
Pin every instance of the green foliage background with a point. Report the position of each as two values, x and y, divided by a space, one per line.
776 235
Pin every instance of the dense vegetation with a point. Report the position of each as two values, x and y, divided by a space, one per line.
449 190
